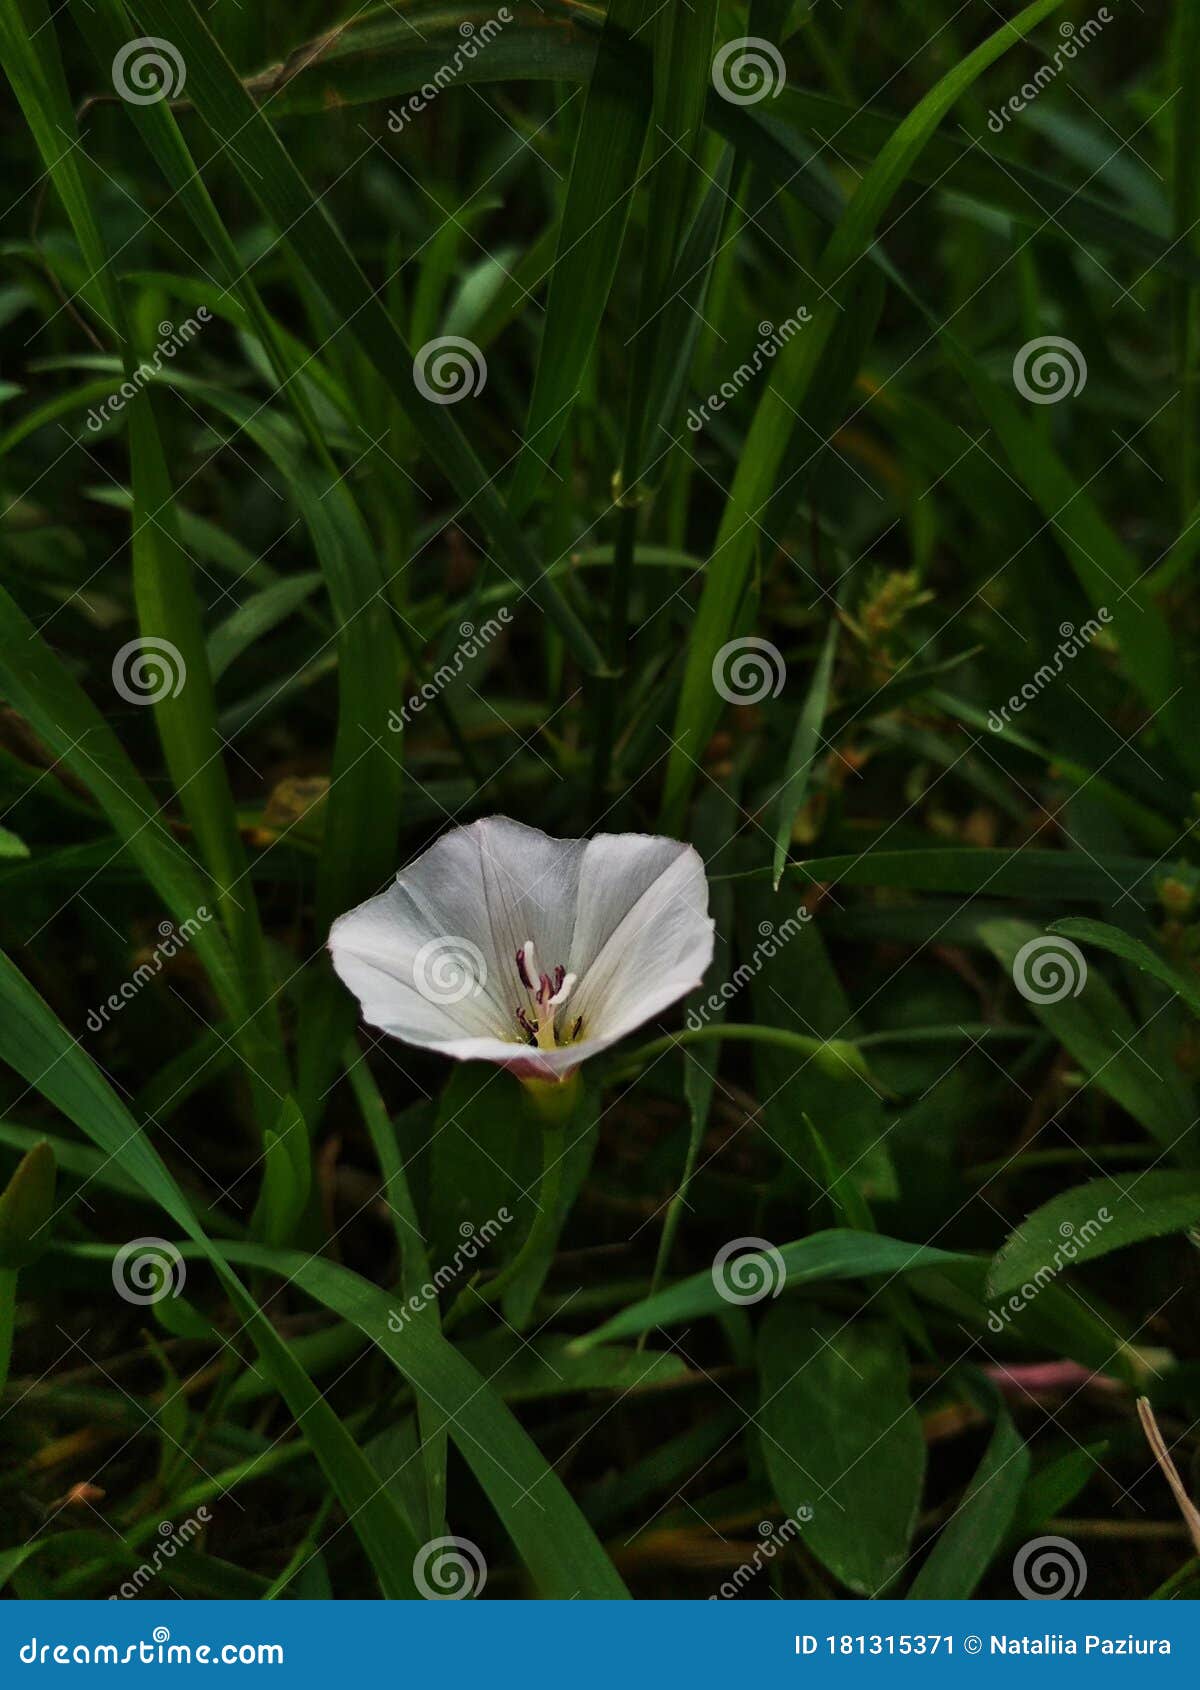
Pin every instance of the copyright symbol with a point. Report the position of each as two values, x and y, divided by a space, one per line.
973 1645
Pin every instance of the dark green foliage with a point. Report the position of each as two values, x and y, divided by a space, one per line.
786 444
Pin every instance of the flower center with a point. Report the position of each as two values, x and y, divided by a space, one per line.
548 994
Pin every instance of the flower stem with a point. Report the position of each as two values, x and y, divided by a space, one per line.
838 1056
541 1231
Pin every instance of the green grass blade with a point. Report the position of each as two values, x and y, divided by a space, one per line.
168 611
833 1255
803 752
537 1511
1096 1218
40 1049
1045 876
39 686
1092 1023
273 180
1133 951
786 393
604 176
974 1533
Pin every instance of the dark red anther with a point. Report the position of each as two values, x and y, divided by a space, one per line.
523 971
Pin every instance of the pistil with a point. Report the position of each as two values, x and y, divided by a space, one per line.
549 993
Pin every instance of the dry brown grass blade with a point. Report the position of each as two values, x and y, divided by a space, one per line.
1162 1455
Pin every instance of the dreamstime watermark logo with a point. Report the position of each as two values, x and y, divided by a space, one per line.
748 70
772 339
748 670
474 1241
148 670
748 1269
1072 1241
148 1269
148 70
173 1539
1049 1569
157 1650
449 369
1071 642
172 940
449 1569
1073 40
771 940
1048 369
472 641
172 338
1048 969
449 969
774 1538
473 42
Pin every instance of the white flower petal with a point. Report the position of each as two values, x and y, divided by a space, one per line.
530 885
643 927
412 982
525 1061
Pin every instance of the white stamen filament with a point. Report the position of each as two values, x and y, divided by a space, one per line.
563 992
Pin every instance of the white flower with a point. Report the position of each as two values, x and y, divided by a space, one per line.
504 945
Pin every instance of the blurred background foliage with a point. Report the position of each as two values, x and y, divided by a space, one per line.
969 716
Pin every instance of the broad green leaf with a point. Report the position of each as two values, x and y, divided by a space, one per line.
841 1439
486 1161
